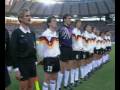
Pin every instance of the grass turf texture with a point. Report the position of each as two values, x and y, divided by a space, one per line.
103 79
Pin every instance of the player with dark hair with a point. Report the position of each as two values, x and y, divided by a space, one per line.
65 38
77 46
86 66
49 46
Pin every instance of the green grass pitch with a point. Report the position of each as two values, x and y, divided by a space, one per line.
103 79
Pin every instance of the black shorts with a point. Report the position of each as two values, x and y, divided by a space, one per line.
77 55
66 53
104 51
108 48
91 54
87 54
7 78
27 70
51 64
101 51
97 51
84 55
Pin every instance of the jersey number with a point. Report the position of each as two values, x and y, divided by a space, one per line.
49 68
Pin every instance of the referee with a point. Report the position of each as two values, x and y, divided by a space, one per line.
24 52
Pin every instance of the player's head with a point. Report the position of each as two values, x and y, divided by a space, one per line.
97 32
88 28
78 24
107 33
102 33
94 29
51 22
24 17
67 19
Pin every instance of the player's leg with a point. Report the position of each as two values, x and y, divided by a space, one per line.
32 75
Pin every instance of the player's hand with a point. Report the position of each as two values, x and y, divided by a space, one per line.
36 63
9 68
40 63
18 75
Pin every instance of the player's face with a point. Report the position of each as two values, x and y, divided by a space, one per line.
26 18
109 34
88 28
53 23
103 34
98 33
94 30
78 24
68 20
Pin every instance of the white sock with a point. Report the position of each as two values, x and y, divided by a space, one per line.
91 67
92 64
72 75
66 78
45 86
86 69
59 80
52 84
82 71
105 58
108 57
76 74
101 61
97 63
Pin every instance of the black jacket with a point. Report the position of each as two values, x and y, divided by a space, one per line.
23 47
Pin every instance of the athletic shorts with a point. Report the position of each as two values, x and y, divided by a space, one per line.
87 54
77 55
7 78
84 55
101 51
66 53
51 64
91 54
104 51
108 48
97 51
27 70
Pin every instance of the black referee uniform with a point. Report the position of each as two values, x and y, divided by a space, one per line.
24 53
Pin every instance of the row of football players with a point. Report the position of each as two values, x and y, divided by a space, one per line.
71 53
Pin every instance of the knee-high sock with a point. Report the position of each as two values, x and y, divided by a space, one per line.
52 84
85 70
59 80
72 75
45 86
66 78
81 72
76 74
